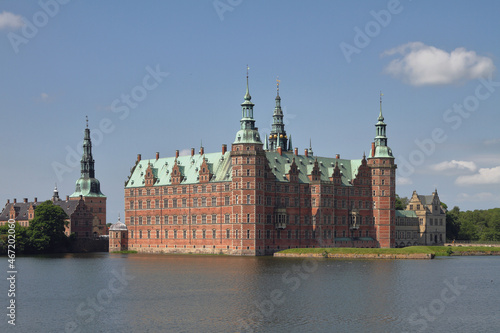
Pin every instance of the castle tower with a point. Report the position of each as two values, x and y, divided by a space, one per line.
89 189
383 173
118 237
248 161
278 137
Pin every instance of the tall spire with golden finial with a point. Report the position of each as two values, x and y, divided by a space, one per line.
247 95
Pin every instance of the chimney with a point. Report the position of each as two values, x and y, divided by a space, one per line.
305 152
8 201
176 153
224 149
81 197
337 156
36 199
25 200
192 151
67 198
373 149
202 151
157 155
296 151
15 200
138 157
280 151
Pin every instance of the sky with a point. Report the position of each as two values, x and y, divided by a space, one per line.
157 76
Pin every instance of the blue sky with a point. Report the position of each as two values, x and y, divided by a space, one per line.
435 62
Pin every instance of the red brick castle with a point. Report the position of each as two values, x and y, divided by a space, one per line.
260 197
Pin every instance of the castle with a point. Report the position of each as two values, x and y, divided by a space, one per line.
86 207
262 196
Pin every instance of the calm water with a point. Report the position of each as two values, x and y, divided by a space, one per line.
256 294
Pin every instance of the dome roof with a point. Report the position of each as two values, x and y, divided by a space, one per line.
118 226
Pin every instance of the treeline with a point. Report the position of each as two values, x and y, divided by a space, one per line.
45 233
477 225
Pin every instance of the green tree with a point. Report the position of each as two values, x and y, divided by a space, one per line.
21 238
46 230
401 203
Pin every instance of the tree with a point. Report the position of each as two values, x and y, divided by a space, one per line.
21 238
401 203
46 230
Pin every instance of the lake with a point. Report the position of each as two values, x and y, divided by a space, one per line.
101 292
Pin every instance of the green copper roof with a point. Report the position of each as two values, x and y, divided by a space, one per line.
218 164
405 213
87 187
280 166
247 136
382 151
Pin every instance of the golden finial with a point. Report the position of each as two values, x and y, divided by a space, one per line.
278 84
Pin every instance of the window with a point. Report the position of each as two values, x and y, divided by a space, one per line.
214 218
248 198
194 234
236 199
203 234
203 202
131 220
184 234
184 219
174 203
131 205
166 233
236 218
248 172
193 219
140 204
214 201
226 187
140 220
175 219
248 234
157 221
148 204
175 233
226 201
268 234
165 219
228 233
203 219
248 218
140 234
165 203
157 233
131 233
226 219
157 203
148 218
195 202
195 189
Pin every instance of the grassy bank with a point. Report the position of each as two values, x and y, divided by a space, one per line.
126 251
436 250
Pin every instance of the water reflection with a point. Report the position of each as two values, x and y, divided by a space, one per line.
178 293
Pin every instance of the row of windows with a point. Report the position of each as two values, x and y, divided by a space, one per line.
280 218
178 190
183 234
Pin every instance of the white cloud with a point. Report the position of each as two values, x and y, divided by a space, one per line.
403 181
44 97
491 142
185 152
9 20
482 196
483 176
421 64
455 165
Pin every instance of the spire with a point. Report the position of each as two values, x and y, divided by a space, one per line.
290 147
248 132
310 148
380 138
87 185
278 137
380 116
55 195
247 95
266 143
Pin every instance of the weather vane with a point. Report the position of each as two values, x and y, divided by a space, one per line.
87 121
247 70
278 84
